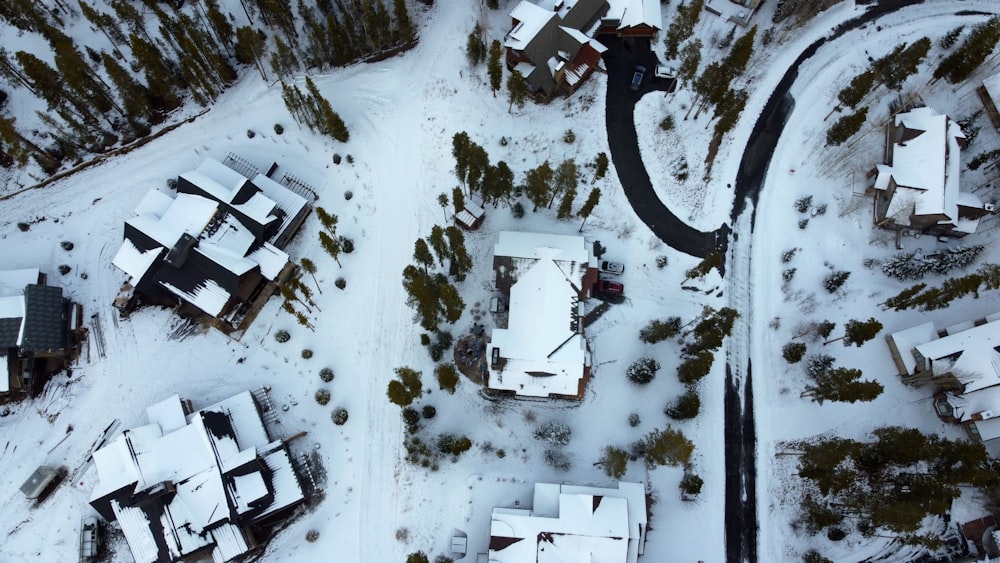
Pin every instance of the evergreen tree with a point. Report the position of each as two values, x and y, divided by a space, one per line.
404 26
460 143
537 185
845 127
518 90
331 245
835 280
423 297
478 161
682 26
859 332
447 377
852 94
695 366
498 183
283 60
685 407
439 244
566 178
949 39
728 111
739 55
398 393
614 462
690 61
600 166
422 254
457 199
161 76
667 447
658 331
135 102
250 48
964 60
642 371
793 352
461 262
565 210
589 205
475 49
495 68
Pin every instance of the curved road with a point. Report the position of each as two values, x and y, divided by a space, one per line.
741 524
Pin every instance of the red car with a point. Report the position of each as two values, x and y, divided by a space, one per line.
607 286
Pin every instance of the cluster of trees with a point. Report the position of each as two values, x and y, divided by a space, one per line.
889 483
706 337
314 111
476 52
155 57
328 238
667 447
682 26
434 298
891 70
907 266
838 383
964 60
542 184
294 291
714 260
406 388
921 296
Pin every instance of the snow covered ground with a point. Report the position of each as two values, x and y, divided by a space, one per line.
402 114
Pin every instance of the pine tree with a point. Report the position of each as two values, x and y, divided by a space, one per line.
859 332
457 199
447 377
423 296
461 262
250 48
793 352
739 55
398 393
589 205
667 447
684 407
498 183
478 161
537 184
475 49
283 60
133 95
566 178
410 379
964 60
835 280
852 94
439 244
695 366
642 371
161 77
422 254
331 245
495 68
518 90
310 267
460 150
690 61
658 331
565 210
614 462
845 127
404 27
328 220
600 166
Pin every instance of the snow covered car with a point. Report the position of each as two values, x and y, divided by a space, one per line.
640 72
616 268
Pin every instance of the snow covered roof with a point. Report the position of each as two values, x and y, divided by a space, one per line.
926 162
283 199
165 219
135 262
633 13
969 352
218 462
992 87
571 523
536 246
543 347
13 282
531 18
207 296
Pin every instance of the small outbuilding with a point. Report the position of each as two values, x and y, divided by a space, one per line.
40 483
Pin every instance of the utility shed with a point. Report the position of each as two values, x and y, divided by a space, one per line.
39 482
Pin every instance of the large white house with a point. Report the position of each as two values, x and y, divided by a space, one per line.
194 484
540 350
918 187
572 523
964 362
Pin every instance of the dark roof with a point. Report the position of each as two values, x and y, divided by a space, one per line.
9 329
44 327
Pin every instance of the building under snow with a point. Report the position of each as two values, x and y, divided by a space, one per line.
989 94
572 523
195 484
918 187
538 348
40 332
214 247
962 361
551 42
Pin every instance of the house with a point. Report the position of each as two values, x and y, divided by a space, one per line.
214 247
572 523
550 45
918 188
538 348
192 485
632 19
472 214
963 362
40 332
989 93
737 11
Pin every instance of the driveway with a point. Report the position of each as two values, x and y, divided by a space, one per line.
621 58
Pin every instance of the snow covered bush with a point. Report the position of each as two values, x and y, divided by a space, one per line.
322 396
251 134
667 447
557 459
614 462
307 353
417 557
517 211
312 535
428 411
684 407
278 129
695 366
788 274
341 283
793 352
787 255
452 444
326 374
66 245
910 266
447 377
346 245
661 262
658 331
282 336
691 484
411 417
642 371
835 280
634 420
554 433
339 416
803 203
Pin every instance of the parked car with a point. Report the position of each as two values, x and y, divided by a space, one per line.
640 72
665 71
608 286
616 268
